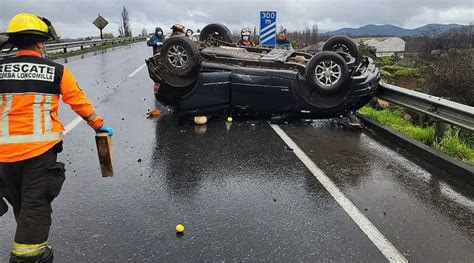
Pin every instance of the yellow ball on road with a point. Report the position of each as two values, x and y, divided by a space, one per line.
229 119
179 228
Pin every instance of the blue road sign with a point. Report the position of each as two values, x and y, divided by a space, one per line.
267 28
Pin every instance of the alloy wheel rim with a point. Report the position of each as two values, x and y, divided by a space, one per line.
328 73
177 56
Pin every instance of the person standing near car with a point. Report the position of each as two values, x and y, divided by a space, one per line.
156 40
31 134
282 42
190 34
245 36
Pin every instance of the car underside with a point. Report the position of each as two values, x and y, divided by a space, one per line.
215 75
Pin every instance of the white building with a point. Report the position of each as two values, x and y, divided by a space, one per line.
388 47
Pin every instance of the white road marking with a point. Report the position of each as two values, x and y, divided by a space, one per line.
377 238
136 71
71 125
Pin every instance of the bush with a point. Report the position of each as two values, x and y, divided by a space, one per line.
384 61
408 72
450 75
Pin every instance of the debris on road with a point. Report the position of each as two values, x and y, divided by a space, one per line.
104 150
153 114
179 228
200 120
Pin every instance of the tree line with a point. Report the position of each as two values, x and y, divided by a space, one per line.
433 40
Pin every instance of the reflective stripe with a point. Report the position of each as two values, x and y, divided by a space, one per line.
47 114
28 250
5 117
37 114
1 105
31 138
91 117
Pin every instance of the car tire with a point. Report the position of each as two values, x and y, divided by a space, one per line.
327 71
342 43
180 55
178 81
218 31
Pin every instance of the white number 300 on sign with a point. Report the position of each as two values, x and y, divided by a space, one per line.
268 15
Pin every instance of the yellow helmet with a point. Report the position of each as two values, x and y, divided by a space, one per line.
29 24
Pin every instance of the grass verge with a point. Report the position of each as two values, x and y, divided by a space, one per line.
451 143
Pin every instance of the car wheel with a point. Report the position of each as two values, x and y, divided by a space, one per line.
180 55
178 81
217 31
327 71
342 43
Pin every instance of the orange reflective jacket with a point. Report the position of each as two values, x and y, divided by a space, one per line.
30 87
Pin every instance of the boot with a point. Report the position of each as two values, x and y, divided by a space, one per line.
46 257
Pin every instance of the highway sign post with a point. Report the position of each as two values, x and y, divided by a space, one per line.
268 28
100 23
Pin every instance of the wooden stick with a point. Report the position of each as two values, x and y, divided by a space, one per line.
104 149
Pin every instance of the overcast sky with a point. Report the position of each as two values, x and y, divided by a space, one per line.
72 18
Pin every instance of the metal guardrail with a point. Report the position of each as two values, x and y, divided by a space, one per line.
447 111
64 46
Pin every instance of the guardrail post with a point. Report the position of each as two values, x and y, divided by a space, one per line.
65 50
440 129
82 47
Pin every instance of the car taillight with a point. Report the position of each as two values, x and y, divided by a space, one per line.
156 88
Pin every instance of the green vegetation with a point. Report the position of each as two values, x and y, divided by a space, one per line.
392 70
451 143
401 71
387 61
395 120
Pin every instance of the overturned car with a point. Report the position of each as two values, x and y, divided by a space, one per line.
215 75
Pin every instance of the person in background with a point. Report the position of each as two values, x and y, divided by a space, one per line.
177 30
282 42
190 34
156 40
31 135
245 35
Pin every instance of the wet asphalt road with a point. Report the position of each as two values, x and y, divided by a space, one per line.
240 192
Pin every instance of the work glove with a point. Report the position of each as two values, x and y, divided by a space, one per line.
106 129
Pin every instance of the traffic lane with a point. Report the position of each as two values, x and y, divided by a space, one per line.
100 72
214 184
241 194
94 71
427 215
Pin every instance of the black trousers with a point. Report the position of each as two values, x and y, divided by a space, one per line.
30 186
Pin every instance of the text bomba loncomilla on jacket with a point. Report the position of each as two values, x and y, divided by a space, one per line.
27 71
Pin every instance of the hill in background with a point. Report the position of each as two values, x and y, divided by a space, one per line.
391 30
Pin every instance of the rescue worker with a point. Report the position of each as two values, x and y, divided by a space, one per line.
156 40
245 35
282 42
31 133
177 30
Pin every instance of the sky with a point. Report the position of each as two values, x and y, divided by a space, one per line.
73 18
